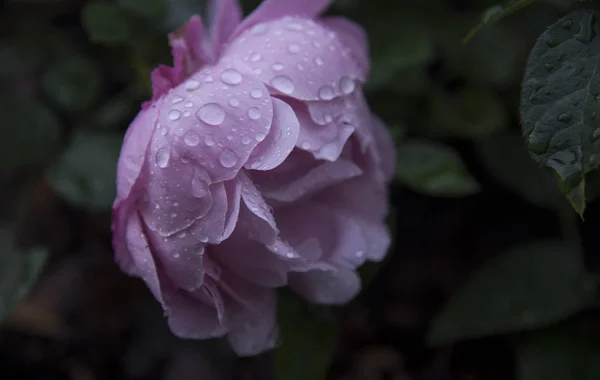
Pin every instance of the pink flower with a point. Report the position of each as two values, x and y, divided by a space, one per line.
256 164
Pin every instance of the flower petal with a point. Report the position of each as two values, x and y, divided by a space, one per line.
280 141
224 17
213 120
353 37
273 9
326 287
297 58
302 175
260 222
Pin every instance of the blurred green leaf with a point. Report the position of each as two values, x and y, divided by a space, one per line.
433 169
528 287
308 339
18 272
497 13
19 56
471 113
73 82
105 22
85 173
559 102
115 112
507 160
558 353
151 9
30 131
397 45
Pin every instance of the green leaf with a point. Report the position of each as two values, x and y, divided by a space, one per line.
497 13
105 23
531 286
73 82
559 102
308 343
397 46
18 272
85 173
507 160
151 9
433 169
30 131
471 113
559 353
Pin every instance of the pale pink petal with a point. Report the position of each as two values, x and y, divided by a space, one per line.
353 37
234 193
273 9
224 16
261 224
211 227
306 62
213 120
280 141
327 287
133 150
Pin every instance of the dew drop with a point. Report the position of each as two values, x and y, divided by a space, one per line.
228 158
347 85
162 157
191 85
191 138
177 99
319 61
294 27
231 76
316 44
253 113
199 186
255 57
283 84
208 79
277 66
211 113
164 131
208 140
326 93
245 140
260 137
300 67
234 102
174 115
189 104
256 93
259 29
305 145
258 71
293 48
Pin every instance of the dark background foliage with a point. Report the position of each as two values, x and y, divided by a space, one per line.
491 274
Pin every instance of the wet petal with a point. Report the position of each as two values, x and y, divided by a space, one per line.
280 141
259 222
353 36
298 58
213 120
273 9
211 227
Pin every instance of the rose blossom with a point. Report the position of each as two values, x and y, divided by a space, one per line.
256 164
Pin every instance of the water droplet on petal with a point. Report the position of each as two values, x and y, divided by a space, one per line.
294 27
189 104
283 84
293 48
300 67
259 29
255 57
177 99
174 115
208 140
208 79
191 85
164 131
347 85
305 145
245 140
234 102
162 157
256 93
231 76
199 186
191 138
316 44
253 113
277 66
319 61
326 93
260 137
228 158
258 71
211 114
